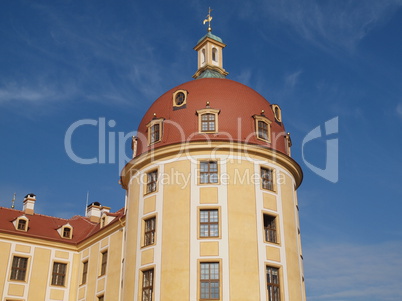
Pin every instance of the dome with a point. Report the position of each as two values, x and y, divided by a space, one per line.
237 107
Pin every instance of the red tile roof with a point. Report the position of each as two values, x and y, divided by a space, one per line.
45 227
237 104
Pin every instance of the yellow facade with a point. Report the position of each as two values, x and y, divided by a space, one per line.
42 254
240 248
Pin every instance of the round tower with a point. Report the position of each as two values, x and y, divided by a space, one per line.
212 211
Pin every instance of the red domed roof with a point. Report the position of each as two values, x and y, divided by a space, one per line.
237 104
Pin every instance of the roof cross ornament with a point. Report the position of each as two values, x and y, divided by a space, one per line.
208 19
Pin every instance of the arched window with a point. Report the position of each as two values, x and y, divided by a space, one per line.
203 56
214 55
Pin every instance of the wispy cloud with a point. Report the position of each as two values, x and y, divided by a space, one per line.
292 79
332 24
399 110
85 60
347 271
29 94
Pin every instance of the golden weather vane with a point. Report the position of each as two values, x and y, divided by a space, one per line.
208 19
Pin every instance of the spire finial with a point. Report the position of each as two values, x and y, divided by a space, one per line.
208 19
13 201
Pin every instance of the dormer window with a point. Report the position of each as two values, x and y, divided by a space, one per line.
262 128
277 112
21 223
66 231
179 99
155 131
288 144
208 120
103 221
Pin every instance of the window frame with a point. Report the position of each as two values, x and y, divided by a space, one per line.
103 262
266 184
272 285
209 172
209 223
19 221
209 280
18 271
263 119
150 126
203 112
151 232
174 100
271 233
150 183
22 224
147 288
63 231
277 112
59 277
84 275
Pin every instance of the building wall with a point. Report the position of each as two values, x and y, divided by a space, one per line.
240 249
41 256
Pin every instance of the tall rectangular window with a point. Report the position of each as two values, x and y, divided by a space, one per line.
208 172
59 273
209 280
270 228
152 178
19 268
84 272
273 286
263 130
103 263
155 133
267 178
209 223
147 285
149 233
208 122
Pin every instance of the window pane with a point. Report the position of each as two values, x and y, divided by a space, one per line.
204 231
213 215
214 231
204 216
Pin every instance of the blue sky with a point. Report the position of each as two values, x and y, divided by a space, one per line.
66 61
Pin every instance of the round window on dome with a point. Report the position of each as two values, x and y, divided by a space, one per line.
179 98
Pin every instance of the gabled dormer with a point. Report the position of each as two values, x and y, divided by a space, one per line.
21 223
66 231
